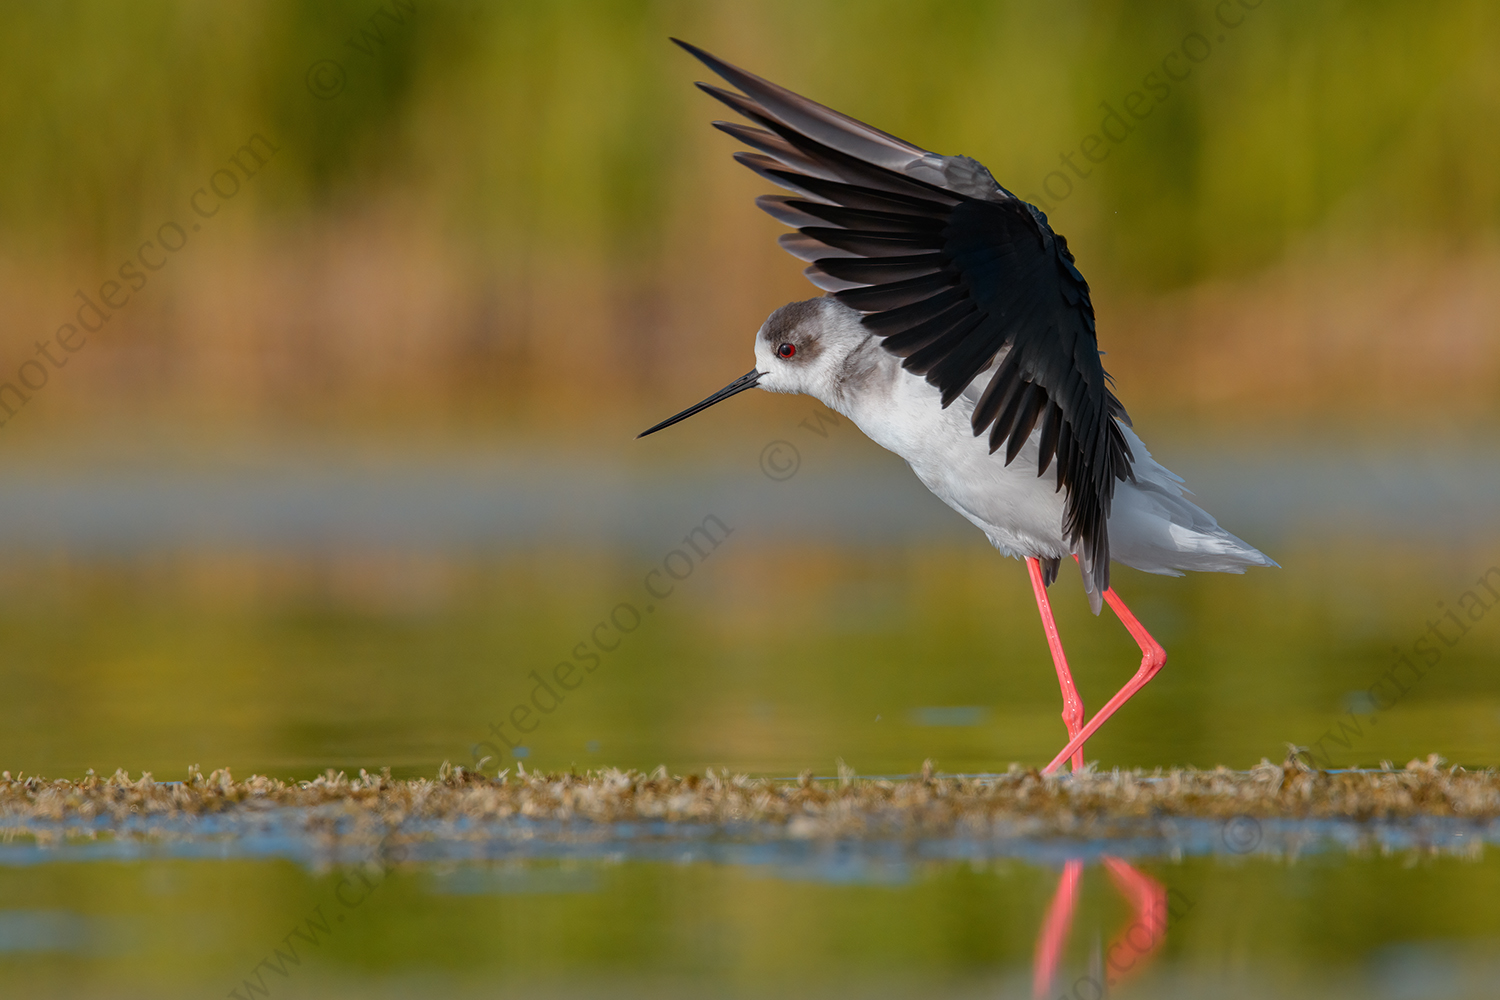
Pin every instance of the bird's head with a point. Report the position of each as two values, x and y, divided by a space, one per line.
801 347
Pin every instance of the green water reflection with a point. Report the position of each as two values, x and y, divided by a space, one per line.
1322 926
767 659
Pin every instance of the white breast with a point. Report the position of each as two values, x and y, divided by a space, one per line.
1021 513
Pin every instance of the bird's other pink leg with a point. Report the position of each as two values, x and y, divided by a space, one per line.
1072 712
1134 946
1153 657
1054 933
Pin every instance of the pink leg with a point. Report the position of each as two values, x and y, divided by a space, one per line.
1140 939
1072 713
1153 657
1055 926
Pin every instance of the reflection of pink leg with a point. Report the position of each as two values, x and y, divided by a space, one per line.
1072 704
1054 933
1128 953
1153 657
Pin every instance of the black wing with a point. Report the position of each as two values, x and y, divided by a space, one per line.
957 275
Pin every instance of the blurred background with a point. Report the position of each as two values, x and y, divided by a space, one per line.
391 287
354 459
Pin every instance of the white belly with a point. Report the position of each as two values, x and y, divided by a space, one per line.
1020 512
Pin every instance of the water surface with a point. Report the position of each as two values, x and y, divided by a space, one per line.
285 622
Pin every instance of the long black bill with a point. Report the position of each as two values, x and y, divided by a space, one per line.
746 381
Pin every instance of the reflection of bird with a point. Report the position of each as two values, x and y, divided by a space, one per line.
956 324
1131 949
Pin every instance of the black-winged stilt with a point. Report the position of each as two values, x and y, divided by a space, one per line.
952 310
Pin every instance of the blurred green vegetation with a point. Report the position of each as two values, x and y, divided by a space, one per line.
574 122
513 208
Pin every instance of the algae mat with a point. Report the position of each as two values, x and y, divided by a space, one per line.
1277 809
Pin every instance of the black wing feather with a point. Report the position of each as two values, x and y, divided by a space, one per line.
864 218
875 244
897 320
892 295
879 270
854 196
909 341
921 361
958 276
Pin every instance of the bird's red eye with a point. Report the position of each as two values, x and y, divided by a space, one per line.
786 350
